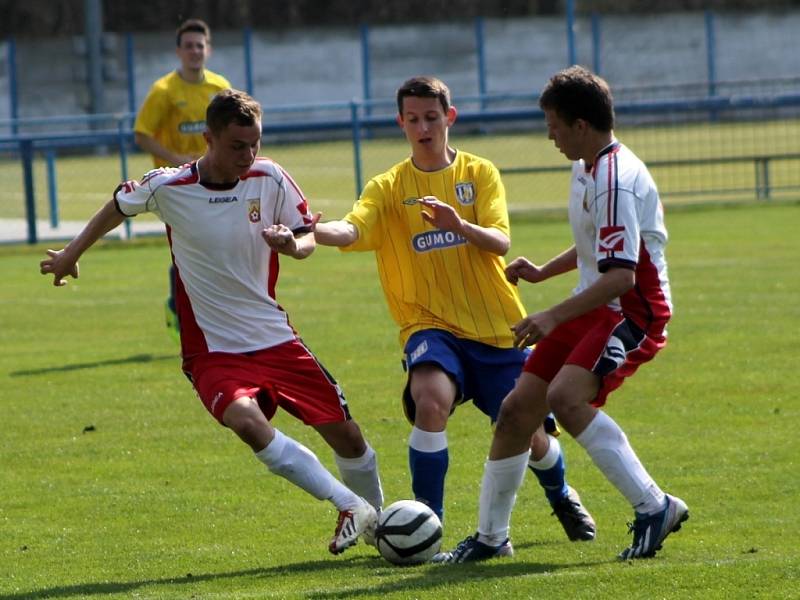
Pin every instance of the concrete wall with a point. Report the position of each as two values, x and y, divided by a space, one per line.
317 65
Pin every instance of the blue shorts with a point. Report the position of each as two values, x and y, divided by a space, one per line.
482 373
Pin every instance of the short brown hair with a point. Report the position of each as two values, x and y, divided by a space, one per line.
195 25
424 87
577 93
231 106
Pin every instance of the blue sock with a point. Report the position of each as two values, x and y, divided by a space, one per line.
428 459
550 471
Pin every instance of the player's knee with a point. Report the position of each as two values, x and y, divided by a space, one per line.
514 418
431 411
564 403
246 420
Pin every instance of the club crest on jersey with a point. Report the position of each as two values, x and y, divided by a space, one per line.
465 192
254 210
612 239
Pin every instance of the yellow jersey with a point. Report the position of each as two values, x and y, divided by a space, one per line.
433 278
174 113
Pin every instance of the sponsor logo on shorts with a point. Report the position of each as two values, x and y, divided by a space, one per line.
615 351
437 239
418 351
612 239
465 192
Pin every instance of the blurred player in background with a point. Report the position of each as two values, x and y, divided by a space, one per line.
588 344
229 216
439 227
170 123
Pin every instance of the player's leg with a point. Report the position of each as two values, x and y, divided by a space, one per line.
571 395
435 381
355 458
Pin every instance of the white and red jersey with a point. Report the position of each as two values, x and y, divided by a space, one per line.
226 273
618 221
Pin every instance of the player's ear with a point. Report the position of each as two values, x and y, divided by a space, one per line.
452 113
399 119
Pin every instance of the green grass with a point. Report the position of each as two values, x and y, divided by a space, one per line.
115 483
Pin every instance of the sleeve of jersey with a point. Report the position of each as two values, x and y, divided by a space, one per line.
491 206
616 223
134 197
293 206
148 119
367 217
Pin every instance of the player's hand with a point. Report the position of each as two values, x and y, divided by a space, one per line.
59 265
280 238
522 268
533 328
441 215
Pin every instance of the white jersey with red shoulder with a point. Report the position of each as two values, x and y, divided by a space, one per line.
618 221
226 273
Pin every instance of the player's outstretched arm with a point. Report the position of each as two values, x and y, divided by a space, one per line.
333 233
443 216
61 263
281 239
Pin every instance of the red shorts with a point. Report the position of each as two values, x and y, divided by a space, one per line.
602 341
287 375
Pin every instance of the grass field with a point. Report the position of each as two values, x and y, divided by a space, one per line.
115 483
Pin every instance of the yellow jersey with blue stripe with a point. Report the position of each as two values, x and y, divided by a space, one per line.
433 278
174 113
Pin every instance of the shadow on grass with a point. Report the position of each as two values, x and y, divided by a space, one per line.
424 577
136 358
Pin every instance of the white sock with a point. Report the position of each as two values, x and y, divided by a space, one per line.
550 457
360 474
427 441
608 446
501 479
296 463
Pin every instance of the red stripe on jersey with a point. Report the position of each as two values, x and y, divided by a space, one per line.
193 342
272 273
645 304
193 176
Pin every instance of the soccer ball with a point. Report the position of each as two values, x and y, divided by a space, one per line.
408 533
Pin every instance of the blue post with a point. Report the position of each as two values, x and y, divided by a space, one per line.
52 193
26 151
711 50
572 56
130 67
247 42
356 144
123 165
596 45
481 56
12 85
365 82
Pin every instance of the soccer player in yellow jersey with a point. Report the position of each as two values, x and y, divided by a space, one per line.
438 224
170 123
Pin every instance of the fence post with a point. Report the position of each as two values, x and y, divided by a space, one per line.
363 30
481 56
571 52
596 46
247 42
52 192
711 49
123 165
130 66
354 118
13 100
26 152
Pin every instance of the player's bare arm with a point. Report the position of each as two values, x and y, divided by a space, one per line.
611 284
443 216
281 239
522 268
333 233
61 263
152 146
